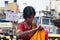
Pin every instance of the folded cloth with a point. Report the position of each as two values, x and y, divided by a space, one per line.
39 35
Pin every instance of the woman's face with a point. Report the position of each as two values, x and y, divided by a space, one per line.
30 19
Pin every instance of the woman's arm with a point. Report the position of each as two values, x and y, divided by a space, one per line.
25 33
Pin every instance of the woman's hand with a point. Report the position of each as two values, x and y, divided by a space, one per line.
40 28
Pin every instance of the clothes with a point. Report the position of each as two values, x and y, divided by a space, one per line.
39 35
46 35
42 35
24 27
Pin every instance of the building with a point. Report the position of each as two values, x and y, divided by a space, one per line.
44 19
12 7
55 11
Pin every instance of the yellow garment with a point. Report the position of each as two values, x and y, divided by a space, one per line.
39 35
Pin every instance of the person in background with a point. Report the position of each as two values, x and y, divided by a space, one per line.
27 29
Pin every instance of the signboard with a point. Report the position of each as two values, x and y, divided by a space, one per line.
13 7
11 16
5 24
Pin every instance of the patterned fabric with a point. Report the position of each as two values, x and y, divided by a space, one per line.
24 27
39 35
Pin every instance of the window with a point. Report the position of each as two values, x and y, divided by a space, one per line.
45 21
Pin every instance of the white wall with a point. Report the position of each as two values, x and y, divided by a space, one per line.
53 3
58 6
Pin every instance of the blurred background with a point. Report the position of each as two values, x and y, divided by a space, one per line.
47 14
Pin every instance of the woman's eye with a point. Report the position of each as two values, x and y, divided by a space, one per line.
31 17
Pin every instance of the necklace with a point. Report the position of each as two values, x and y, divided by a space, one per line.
29 25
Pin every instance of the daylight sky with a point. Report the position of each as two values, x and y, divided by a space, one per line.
37 4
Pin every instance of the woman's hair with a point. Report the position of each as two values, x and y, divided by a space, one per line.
28 11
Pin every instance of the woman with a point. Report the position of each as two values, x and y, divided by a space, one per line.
27 28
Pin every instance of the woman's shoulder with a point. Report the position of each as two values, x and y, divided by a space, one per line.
21 23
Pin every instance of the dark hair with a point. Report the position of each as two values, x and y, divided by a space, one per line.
28 11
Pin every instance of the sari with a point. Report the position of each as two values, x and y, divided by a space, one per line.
38 35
